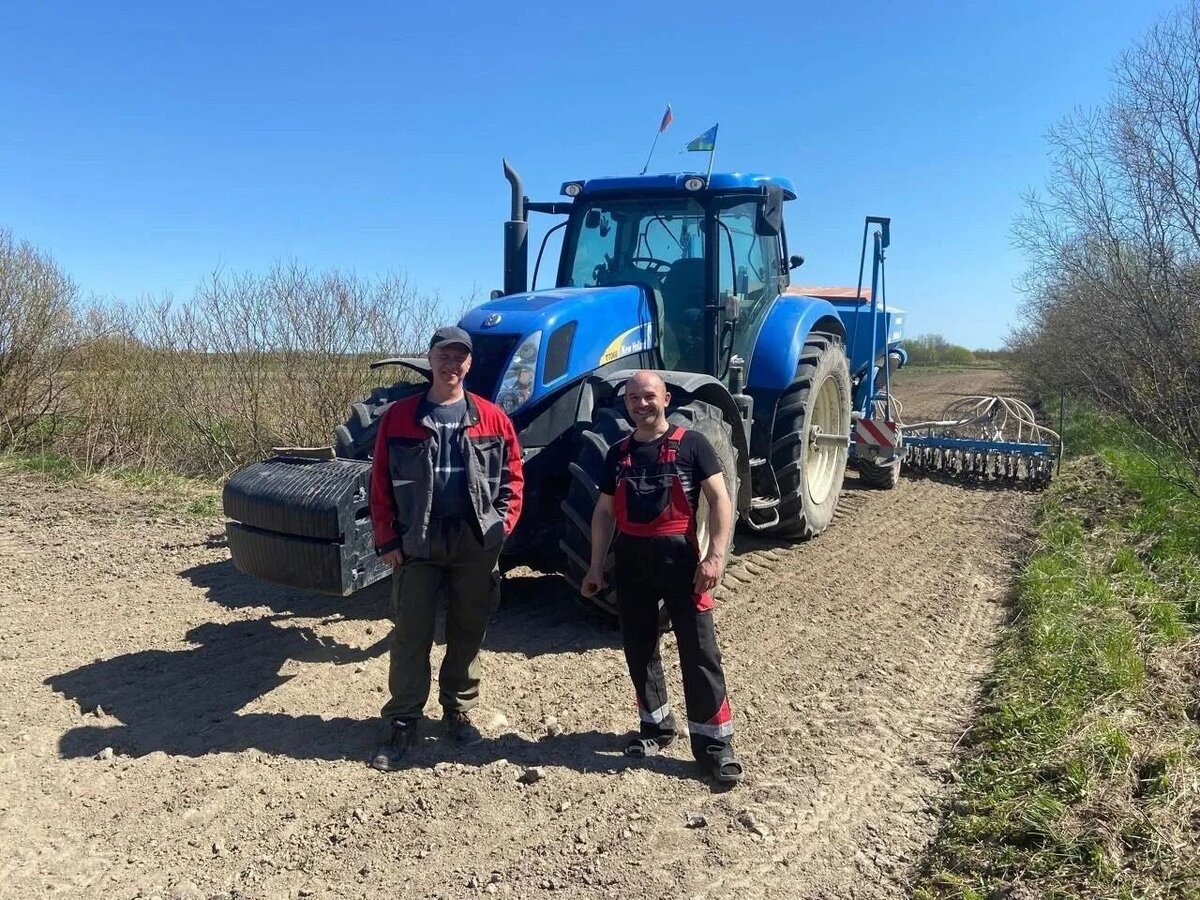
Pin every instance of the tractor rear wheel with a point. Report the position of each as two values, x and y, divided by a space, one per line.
608 428
884 476
809 471
356 439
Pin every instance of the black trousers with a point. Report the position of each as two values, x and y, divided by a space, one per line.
663 568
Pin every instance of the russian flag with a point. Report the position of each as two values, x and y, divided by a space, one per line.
667 119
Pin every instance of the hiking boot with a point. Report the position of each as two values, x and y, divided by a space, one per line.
390 754
460 729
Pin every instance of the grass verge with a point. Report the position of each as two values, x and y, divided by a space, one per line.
174 494
1081 776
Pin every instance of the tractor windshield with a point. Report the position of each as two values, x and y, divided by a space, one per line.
654 241
635 240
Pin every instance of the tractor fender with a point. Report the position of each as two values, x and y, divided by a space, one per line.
697 387
418 364
782 336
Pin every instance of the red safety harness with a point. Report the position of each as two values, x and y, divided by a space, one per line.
650 500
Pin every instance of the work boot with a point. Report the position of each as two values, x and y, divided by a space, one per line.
460 729
390 754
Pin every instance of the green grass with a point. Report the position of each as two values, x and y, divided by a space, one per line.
175 494
50 465
1081 776
206 507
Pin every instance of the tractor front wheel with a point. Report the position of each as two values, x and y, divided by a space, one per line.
608 428
356 439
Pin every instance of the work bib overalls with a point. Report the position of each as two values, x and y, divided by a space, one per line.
656 558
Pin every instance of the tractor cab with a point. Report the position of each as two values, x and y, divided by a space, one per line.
709 251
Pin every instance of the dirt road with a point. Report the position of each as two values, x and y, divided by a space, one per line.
239 715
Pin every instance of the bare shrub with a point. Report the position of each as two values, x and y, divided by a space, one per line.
37 333
113 416
1113 308
254 362
250 362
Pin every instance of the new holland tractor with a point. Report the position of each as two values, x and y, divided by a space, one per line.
687 274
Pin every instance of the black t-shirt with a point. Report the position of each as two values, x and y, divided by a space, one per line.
450 498
696 461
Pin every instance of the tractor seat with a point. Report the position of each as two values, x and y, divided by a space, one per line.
683 290
682 311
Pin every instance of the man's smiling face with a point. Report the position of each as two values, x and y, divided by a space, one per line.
450 364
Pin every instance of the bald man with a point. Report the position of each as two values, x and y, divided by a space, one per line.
652 484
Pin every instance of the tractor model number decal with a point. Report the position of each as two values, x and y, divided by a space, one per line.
631 341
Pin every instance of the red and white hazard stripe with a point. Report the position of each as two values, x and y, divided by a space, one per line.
877 433
719 726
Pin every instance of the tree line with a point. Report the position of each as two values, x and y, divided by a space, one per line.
1112 310
935 350
247 363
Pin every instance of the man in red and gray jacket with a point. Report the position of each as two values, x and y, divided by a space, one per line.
446 487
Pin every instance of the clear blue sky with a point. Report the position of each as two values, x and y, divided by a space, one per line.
145 144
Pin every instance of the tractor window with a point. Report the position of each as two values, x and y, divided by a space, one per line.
596 245
743 259
641 241
749 271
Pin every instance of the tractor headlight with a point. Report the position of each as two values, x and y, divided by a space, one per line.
516 387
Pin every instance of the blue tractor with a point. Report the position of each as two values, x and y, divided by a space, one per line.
686 274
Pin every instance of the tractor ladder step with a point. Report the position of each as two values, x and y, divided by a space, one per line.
765 502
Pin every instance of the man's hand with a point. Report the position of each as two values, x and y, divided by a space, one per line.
707 574
593 581
393 558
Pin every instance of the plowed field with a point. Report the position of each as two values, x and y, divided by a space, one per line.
239 715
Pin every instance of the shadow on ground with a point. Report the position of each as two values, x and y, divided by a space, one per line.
353 740
186 701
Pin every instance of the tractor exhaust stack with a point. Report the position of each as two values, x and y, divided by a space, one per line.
516 238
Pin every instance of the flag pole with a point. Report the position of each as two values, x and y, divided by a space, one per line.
662 126
712 153
652 146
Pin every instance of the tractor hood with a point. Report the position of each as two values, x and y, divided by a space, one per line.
528 346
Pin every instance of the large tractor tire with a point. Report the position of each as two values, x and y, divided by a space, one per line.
882 476
356 439
609 427
810 473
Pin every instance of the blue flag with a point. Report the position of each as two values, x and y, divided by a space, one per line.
705 142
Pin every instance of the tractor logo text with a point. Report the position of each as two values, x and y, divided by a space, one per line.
631 341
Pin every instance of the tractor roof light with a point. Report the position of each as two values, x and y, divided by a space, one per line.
572 188
694 183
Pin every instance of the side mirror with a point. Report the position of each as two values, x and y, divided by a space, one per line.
592 220
768 222
497 294
795 262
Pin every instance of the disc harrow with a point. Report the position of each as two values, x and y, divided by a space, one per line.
984 439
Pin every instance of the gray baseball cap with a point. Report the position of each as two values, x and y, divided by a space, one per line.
450 334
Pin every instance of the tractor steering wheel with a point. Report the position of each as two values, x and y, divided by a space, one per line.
654 266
